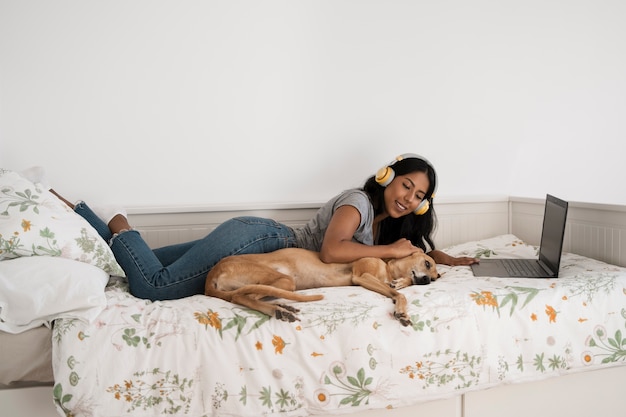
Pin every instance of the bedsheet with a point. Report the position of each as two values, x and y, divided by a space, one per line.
202 356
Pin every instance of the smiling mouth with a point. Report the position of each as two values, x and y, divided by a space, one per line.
400 206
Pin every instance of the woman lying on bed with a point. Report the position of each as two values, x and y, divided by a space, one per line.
392 216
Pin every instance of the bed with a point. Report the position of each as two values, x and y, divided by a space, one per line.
203 356
477 346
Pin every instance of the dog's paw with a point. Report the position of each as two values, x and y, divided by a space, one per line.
286 313
403 318
399 283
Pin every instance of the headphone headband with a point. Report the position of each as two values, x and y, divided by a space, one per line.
386 174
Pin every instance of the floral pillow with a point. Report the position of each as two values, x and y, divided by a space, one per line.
35 222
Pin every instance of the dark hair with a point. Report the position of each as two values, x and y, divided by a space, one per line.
416 228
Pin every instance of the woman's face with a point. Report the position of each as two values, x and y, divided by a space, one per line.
405 193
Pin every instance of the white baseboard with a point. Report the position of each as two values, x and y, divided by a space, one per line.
594 230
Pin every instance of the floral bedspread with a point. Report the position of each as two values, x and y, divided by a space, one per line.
202 356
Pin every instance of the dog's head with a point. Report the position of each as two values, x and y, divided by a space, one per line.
420 268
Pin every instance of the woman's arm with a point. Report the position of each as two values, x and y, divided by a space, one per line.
338 246
445 259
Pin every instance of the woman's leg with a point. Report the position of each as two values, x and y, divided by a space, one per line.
86 213
180 270
149 278
169 254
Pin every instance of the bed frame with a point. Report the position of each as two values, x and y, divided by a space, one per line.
594 230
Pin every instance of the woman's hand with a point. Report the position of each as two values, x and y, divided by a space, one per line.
401 248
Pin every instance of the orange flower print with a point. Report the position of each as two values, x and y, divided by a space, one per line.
259 346
210 318
116 389
485 298
551 312
215 320
533 317
279 344
202 318
26 225
414 371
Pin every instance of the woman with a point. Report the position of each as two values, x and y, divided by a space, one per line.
390 217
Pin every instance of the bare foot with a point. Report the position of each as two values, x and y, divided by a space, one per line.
62 199
118 223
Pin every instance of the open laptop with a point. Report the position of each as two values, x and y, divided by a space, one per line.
551 246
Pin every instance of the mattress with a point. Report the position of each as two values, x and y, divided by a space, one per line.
26 358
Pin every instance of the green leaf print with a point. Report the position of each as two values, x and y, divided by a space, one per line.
23 200
60 399
354 388
613 348
266 396
130 337
513 297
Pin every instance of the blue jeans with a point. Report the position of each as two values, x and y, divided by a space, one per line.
180 270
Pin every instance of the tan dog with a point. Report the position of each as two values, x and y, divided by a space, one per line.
247 279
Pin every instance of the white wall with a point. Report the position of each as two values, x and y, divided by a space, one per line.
199 102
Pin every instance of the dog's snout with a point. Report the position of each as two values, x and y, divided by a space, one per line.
420 280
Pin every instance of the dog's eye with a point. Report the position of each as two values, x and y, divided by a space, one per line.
427 264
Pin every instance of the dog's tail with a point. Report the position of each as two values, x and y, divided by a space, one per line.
261 291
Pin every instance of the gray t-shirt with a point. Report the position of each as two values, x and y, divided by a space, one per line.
311 235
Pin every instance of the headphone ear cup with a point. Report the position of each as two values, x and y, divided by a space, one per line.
422 208
385 175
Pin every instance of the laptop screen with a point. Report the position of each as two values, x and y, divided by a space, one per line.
553 231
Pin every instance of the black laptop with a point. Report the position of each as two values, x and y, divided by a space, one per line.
551 246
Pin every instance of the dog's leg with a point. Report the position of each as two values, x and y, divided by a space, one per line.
369 281
369 273
247 283
252 296
279 311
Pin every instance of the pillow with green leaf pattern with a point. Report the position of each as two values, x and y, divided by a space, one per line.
33 222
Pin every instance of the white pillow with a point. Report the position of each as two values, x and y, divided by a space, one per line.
35 222
38 289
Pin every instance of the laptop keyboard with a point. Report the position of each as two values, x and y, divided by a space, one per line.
523 268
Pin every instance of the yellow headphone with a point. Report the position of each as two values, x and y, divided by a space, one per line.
386 174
